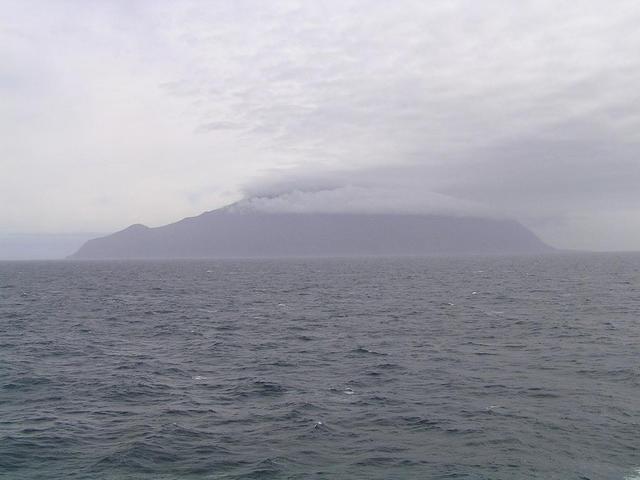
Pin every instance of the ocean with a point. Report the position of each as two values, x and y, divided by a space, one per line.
345 368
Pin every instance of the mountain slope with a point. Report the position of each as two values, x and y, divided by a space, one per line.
231 233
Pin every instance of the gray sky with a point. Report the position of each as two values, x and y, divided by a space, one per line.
118 112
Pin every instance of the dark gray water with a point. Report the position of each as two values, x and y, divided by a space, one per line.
477 368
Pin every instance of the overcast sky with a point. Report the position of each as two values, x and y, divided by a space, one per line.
119 112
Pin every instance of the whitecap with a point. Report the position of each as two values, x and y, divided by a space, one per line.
199 377
634 476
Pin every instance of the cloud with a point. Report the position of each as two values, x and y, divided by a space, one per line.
526 109
211 126
360 199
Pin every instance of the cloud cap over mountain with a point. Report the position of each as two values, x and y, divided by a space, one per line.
120 112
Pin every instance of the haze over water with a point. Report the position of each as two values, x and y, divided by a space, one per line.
335 129
388 368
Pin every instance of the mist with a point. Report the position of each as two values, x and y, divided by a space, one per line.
117 113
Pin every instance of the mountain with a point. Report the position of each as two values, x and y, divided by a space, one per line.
230 232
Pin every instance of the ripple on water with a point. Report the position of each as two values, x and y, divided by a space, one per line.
328 369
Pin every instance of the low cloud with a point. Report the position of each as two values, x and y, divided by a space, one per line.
364 199
167 109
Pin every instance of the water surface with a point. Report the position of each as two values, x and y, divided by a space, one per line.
405 368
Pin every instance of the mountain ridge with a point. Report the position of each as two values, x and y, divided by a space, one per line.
228 233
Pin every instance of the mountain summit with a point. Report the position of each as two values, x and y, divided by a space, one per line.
231 232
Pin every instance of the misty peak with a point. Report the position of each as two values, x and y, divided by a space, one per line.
363 199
